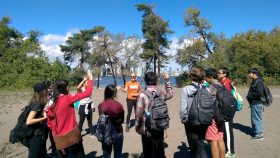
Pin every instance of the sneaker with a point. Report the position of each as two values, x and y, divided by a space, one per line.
258 138
127 128
229 155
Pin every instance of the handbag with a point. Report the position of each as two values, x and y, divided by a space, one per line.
68 139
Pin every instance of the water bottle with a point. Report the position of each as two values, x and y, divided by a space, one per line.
148 120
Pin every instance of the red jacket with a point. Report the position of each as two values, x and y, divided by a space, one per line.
65 113
226 82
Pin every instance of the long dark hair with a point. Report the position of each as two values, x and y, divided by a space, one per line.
61 87
110 92
40 94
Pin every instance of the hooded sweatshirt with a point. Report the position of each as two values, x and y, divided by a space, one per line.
186 101
255 92
227 83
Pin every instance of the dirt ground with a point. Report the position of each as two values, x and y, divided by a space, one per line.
175 140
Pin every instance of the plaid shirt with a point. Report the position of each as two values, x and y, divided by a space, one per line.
143 103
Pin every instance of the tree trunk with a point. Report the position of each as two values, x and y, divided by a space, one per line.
159 63
122 72
98 77
155 64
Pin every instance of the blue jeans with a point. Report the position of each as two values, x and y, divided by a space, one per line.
257 119
117 144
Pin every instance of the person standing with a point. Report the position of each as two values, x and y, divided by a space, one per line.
115 111
256 91
86 108
132 88
214 133
37 119
49 103
152 141
195 134
223 77
64 120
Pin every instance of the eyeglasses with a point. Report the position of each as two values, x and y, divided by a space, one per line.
220 72
132 76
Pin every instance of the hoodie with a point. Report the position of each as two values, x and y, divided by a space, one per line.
256 91
227 83
186 101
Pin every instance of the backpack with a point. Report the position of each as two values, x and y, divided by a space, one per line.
237 96
21 132
105 130
202 107
225 104
267 96
157 117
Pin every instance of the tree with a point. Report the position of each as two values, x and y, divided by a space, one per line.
105 48
155 31
200 26
78 45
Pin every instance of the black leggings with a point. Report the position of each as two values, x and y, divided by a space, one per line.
37 145
131 103
83 116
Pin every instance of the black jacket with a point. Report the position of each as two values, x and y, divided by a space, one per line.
256 90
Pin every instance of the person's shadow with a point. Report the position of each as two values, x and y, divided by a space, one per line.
184 151
92 155
245 129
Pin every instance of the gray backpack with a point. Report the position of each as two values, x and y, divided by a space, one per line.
157 117
202 107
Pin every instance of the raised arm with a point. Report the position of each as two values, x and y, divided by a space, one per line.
168 93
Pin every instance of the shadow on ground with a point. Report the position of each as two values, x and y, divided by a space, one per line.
245 129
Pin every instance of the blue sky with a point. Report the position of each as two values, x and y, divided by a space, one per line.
121 16
59 19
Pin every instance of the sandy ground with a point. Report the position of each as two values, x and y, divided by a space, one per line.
175 140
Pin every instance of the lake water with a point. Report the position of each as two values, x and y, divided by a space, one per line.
109 80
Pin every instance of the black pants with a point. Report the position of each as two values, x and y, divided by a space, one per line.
229 137
153 145
74 151
131 103
196 137
83 116
37 145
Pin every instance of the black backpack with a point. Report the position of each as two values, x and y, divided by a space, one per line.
225 104
202 107
158 118
105 130
22 132
267 96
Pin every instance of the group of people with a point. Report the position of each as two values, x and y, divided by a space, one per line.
48 97
219 134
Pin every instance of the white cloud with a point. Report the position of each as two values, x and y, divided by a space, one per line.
50 43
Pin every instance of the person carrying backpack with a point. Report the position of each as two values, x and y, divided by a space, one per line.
194 130
256 91
152 136
223 77
37 119
214 133
115 111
